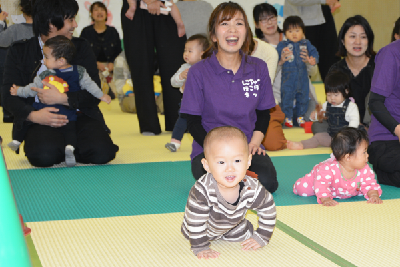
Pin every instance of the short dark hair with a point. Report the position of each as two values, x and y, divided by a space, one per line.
202 39
61 46
293 22
262 10
26 7
346 141
337 82
223 133
396 29
99 4
46 12
354 21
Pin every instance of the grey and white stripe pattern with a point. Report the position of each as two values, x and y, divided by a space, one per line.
209 217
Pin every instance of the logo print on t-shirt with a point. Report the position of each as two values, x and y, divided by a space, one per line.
251 87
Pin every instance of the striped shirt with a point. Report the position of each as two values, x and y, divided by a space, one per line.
208 216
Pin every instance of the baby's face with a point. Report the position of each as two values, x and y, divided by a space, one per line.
49 60
334 98
193 51
227 160
294 34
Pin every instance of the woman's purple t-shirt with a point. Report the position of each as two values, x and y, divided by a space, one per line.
222 98
386 82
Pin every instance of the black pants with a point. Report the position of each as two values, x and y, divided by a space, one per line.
324 38
45 146
261 165
385 159
68 131
142 35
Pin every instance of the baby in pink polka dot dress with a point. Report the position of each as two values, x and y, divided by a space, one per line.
345 174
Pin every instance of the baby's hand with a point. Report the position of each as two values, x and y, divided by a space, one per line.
183 75
106 98
311 60
321 115
14 89
374 200
208 254
250 244
327 201
285 55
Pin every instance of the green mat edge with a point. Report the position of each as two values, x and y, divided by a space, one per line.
324 252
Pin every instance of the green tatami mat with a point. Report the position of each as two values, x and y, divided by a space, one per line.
135 189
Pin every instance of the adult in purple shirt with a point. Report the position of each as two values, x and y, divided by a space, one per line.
384 131
229 87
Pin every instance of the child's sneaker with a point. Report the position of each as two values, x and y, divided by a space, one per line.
69 156
14 145
171 147
288 122
301 122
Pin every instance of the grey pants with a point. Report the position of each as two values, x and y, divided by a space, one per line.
319 139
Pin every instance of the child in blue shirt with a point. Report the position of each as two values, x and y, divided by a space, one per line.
294 54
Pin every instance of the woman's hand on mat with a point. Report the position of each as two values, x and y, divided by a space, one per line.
250 244
327 201
208 254
51 96
397 131
47 116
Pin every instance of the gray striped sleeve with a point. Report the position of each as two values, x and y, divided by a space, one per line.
265 206
194 226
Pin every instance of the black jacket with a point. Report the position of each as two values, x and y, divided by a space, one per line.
110 42
22 63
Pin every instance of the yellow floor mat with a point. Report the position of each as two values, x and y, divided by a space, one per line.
153 240
364 234
135 148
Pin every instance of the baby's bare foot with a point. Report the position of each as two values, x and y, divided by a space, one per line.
294 145
181 29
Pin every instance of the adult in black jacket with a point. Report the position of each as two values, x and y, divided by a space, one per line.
44 145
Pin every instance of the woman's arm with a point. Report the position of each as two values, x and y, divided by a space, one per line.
195 128
380 112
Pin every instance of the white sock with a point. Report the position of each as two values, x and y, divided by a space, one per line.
176 145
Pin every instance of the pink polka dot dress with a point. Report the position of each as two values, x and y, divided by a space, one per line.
325 180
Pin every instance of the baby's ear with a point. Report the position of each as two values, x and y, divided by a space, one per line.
249 160
205 164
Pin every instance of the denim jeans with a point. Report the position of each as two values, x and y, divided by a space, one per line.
294 87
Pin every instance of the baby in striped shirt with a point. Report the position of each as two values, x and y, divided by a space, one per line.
218 202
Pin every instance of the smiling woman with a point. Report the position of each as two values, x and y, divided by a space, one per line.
356 40
230 88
